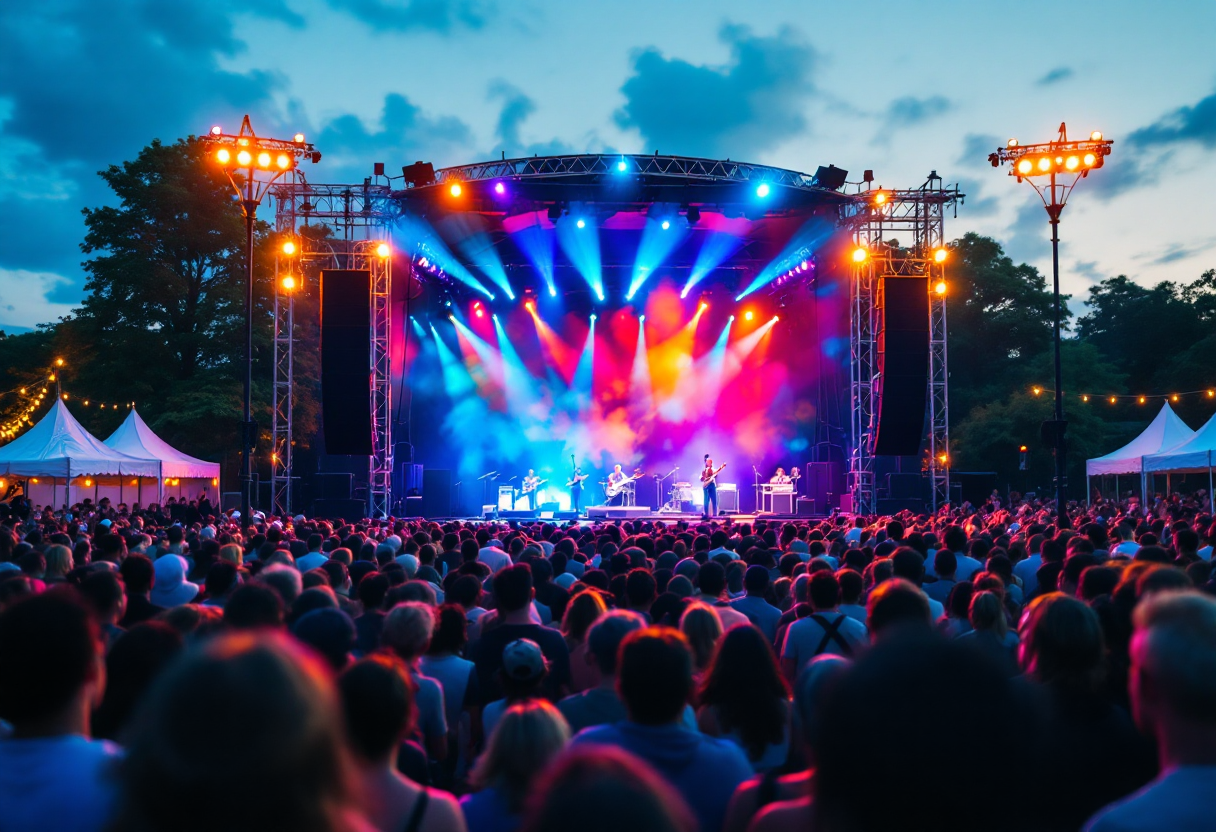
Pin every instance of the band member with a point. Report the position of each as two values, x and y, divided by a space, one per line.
709 487
576 489
615 479
781 478
529 489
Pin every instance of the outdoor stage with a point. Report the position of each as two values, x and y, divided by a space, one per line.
559 316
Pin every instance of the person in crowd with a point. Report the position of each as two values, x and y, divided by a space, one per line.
457 677
583 610
754 604
134 661
605 790
287 730
53 775
407 634
745 699
527 738
654 679
1172 685
513 598
378 709
896 605
1092 753
138 574
102 590
701 626
990 631
825 630
170 587
521 678
601 704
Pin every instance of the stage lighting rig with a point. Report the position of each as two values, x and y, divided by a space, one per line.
253 163
1053 169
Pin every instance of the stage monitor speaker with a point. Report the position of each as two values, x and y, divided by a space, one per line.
903 365
806 507
346 376
349 510
783 504
728 497
904 486
436 493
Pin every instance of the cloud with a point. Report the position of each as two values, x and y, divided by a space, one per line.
744 107
1174 252
909 110
1088 269
976 147
24 299
1028 239
1060 73
1196 123
517 107
442 16
402 135
974 203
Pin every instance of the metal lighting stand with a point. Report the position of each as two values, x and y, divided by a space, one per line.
1053 169
252 165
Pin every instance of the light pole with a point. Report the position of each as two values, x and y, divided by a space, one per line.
253 164
1053 169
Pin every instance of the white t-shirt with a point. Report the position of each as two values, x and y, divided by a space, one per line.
311 561
59 783
804 636
494 558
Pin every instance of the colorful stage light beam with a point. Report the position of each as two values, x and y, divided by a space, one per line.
656 246
419 236
537 243
475 244
805 242
456 379
560 354
640 392
517 381
582 247
716 249
584 373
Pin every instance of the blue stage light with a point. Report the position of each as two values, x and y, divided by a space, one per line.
621 166
581 223
762 190
593 316
552 292
666 224
641 319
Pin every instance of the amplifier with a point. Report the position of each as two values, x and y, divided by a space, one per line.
728 498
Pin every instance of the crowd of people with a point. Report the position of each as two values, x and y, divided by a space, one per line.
975 669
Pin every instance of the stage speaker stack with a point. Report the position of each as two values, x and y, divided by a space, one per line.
436 493
346 375
903 365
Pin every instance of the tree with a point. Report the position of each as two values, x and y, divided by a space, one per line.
999 317
988 438
162 323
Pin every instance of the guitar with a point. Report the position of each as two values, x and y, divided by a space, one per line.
709 476
577 480
616 488
529 486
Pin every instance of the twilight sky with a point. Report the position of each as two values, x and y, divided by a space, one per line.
902 88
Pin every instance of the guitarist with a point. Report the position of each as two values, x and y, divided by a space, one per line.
709 486
530 484
576 489
614 479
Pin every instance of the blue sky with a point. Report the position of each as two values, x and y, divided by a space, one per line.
902 88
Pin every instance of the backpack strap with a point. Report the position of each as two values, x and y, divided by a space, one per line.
415 822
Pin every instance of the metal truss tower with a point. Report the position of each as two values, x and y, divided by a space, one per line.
920 213
339 227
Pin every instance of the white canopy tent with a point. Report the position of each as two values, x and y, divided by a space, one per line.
134 438
1164 433
58 456
1196 455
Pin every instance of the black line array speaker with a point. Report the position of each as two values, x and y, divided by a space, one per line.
903 365
346 376
903 486
436 492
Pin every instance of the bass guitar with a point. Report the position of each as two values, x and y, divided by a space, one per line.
529 487
616 488
709 476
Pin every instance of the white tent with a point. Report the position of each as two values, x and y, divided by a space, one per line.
1163 433
180 474
58 457
1193 456
135 438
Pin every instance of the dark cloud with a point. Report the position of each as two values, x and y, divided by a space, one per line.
441 16
1088 269
404 134
976 147
1060 73
1175 252
742 108
1184 125
909 110
517 107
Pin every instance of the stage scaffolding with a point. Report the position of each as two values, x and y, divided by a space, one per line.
915 219
339 227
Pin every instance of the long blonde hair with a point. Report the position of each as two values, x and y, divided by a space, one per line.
702 627
527 737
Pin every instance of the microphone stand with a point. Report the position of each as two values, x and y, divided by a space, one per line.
670 503
759 502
